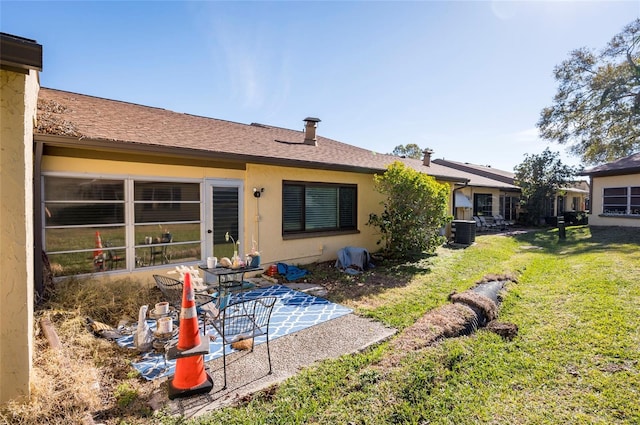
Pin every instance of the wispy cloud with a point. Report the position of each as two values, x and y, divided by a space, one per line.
527 136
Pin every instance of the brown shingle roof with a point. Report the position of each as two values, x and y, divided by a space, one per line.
482 176
83 118
627 165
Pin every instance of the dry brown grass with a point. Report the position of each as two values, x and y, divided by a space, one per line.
85 377
479 301
446 321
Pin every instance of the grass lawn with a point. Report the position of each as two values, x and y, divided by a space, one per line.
575 360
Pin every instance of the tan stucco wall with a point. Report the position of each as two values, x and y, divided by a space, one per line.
18 97
598 185
66 164
568 200
262 216
266 227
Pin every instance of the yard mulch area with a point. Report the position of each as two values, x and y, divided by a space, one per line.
342 286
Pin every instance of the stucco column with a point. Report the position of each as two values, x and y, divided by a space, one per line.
18 102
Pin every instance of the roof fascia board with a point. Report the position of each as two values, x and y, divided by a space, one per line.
503 188
111 145
472 170
19 54
605 173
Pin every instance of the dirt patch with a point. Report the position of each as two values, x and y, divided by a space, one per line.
507 331
342 286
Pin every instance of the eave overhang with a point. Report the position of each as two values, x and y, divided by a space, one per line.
187 153
19 54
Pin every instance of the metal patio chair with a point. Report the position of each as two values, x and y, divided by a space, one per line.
172 290
243 320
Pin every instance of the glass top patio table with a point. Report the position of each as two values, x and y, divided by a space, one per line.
227 277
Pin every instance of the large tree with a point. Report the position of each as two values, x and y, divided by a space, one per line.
410 150
540 177
596 111
415 209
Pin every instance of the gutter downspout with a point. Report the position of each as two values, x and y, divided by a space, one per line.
37 222
466 184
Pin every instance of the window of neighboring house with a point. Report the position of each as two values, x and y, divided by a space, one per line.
317 207
508 207
576 204
483 204
560 205
150 222
621 200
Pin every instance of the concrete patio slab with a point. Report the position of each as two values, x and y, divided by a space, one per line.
247 373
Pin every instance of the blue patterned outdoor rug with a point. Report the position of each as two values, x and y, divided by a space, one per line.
292 312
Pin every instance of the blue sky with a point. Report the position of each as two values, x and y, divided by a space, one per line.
466 79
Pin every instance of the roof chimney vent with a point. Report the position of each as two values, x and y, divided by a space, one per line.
310 125
427 157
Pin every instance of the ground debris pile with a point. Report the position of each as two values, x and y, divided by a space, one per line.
445 322
507 331
469 310
51 119
486 309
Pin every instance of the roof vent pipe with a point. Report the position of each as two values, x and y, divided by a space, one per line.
427 157
310 125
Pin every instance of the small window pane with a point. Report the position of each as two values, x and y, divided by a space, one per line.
615 200
157 254
162 212
348 207
88 258
82 238
75 189
483 204
81 214
225 214
321 204
615 191
166 192
167 233
71 263
615 210
293 211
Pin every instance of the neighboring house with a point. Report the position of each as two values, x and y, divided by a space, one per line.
20 61
160 188
495 192
488 192
615 192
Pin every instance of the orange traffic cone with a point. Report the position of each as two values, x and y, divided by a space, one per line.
190 377
98 258
98 251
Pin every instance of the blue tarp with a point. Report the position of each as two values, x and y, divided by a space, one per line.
353 260
290 272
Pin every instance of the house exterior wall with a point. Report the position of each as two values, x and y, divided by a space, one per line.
266 224
18 101
495 197
596 217
262 217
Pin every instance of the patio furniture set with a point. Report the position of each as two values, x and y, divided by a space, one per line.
495 223
222 305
